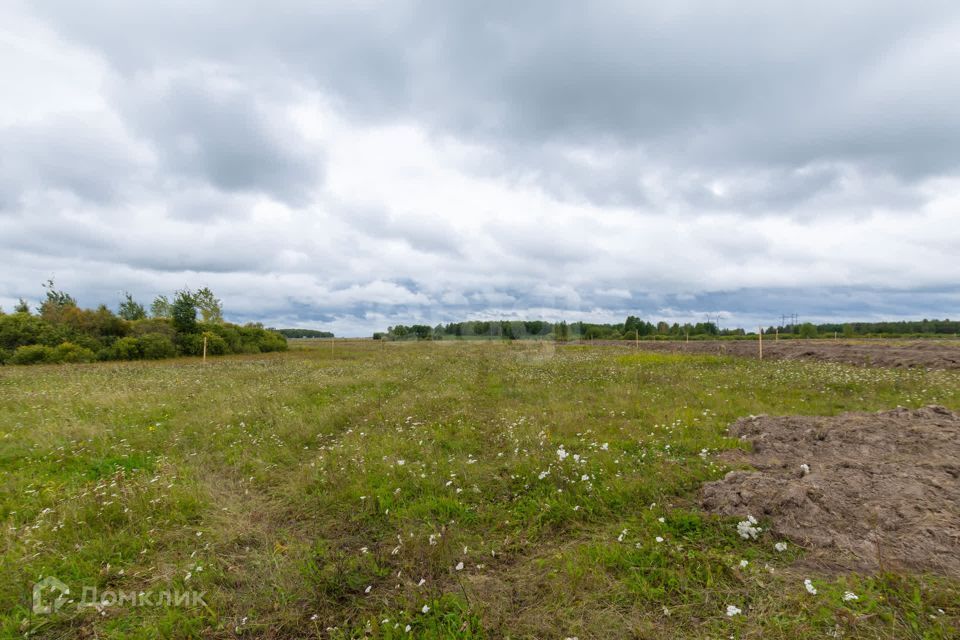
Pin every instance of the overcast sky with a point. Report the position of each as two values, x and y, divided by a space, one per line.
349 166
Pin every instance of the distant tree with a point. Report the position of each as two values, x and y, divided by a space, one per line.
184 312
56 297
211 308
593 332
161 307
422 331
808 330
302 333
22 307
130 309
57 304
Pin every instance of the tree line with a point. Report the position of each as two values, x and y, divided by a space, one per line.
303 333
636 328
61 331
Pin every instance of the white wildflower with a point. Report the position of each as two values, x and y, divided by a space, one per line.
849 595
426 608
733 610
780 546
748 528
808 585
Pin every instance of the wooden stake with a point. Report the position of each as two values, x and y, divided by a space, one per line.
636 338
204 349
761 342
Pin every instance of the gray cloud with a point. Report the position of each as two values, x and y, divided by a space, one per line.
76 153
432 235
206 126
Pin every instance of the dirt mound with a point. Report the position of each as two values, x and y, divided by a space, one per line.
882 490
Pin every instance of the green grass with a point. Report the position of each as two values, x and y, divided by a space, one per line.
308 494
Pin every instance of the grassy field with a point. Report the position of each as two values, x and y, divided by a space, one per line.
430 490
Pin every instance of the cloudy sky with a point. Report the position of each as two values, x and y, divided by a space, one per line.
353 165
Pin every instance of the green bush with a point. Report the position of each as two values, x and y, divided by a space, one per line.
154 346
273 342
145 327
21 329
70 352
33 354
257 339
216 346
189 344
126 349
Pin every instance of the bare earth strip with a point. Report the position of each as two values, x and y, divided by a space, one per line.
882 490
928 354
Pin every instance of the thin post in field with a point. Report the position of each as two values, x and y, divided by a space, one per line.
760 335
204 349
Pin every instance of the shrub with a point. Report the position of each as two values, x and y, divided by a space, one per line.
147 326
33 354
126 349
216 346
189 344
70 352
20 329
273 341
154 346
257 339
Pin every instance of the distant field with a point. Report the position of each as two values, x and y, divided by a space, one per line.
461 489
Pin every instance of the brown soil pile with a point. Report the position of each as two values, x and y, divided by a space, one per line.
883 489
